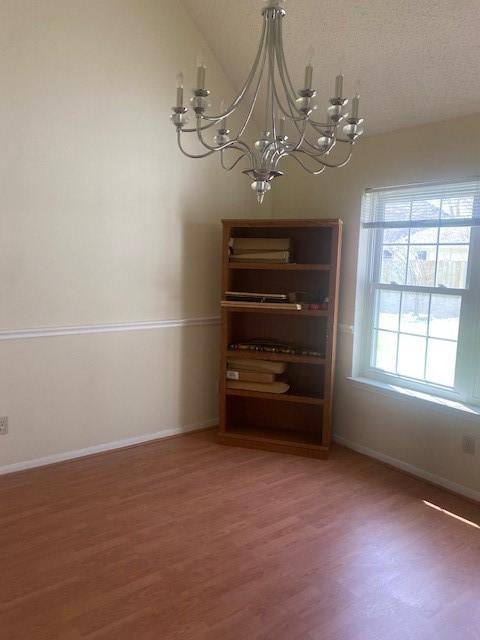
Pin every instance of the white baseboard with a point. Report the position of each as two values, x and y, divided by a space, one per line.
166 433
409 468
107 446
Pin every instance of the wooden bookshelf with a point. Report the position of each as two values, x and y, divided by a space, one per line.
258 266
298 421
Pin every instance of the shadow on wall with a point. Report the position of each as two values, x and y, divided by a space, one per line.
200 283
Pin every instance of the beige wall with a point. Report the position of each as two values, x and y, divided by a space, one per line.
103 221
427 439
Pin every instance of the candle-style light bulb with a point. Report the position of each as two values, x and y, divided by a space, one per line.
274 4
339 86
201 72
180 90
281 125
309 69
355 105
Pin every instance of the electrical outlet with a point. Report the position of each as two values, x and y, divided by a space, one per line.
3 425
469 445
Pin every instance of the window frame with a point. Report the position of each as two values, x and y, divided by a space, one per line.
467 374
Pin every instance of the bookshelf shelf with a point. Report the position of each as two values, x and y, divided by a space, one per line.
298 421
301 438
239 354
290 266
286 312
277 397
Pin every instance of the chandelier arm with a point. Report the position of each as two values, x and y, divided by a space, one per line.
318 153
268 102
314 150
320 126
209 146
228 145
314 123
289 99
252 106
273 146
317 148
203 128
344 141
312 144
315 159
284 73
248 81
231 144
246 151
286 80
283 110
250 111
301 140
324 125
271 75
270 150
336 138
190 155
222 160
255 96
277 160
330 165
276 155
285 66
303 165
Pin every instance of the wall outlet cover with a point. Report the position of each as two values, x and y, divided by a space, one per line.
469 444
3 425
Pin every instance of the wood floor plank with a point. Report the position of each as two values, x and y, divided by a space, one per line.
185 539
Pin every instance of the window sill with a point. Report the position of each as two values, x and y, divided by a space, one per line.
458 409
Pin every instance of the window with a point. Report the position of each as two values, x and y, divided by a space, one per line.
418 294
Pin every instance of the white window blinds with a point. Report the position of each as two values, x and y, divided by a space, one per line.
455 204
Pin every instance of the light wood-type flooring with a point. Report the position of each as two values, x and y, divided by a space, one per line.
186 539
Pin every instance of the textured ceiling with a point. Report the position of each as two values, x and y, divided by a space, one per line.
416 61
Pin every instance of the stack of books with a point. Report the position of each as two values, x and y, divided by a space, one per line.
244 299
269 346
256 375
275 250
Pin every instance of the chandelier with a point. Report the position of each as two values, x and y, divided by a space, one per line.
287 111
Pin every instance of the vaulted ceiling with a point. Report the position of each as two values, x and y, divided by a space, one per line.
416 61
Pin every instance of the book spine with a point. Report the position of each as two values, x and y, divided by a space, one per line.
260 366
273 256
262 305
274 387
246 245
250 376
256 299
